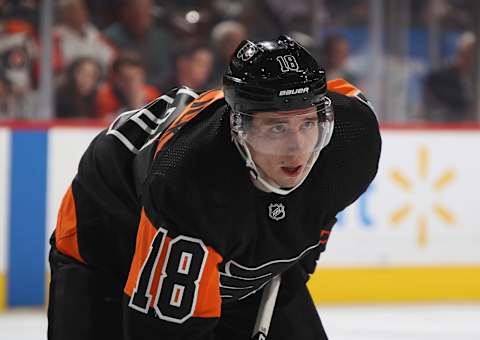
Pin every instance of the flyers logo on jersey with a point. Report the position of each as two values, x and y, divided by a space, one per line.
276 211
238 281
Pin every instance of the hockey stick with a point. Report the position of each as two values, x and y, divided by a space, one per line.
265 310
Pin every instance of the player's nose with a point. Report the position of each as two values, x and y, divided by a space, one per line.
294 143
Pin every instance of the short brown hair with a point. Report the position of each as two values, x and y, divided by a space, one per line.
127 58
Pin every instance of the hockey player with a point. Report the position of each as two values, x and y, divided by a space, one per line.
94 239
242 191
234 193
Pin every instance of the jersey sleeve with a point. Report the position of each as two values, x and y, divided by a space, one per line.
356 143
173 287
103 187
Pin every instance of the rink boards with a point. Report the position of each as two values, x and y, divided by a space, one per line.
413 236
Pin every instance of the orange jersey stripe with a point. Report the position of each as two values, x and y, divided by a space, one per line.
343 87
208 299
66 229
145 235
188 114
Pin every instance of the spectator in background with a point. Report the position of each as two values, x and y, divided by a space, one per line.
77 37
449 90
293 15
126 88
7 103
193 66
103 13
336 53
23 12
225 36
137 32
307 41
262 20
75 97
17 61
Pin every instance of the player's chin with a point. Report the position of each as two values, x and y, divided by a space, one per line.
288 181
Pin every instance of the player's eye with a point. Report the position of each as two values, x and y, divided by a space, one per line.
278 129
308 124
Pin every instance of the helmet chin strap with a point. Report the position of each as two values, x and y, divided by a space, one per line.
259 181
256 174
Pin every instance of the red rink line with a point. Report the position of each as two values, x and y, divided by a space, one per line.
48 124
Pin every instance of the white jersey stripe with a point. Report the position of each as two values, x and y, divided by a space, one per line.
188 92
124 140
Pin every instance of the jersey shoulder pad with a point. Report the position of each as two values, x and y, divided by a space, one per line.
344 87
189 112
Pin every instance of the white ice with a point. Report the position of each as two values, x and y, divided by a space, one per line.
382 322
403 322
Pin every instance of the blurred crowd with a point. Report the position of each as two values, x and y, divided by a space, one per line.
111 56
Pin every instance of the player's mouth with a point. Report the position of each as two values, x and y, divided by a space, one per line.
292 171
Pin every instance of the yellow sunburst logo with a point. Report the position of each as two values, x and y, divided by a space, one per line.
433 187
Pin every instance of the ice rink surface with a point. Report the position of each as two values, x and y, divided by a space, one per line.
382 322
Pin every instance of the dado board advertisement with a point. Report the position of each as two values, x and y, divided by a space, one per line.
413 236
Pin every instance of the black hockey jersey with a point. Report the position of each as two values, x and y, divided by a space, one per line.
207 237
98 217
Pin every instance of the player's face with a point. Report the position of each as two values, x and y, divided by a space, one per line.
130 78
86 77
282 143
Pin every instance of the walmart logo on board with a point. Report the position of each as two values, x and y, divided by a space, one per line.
425 191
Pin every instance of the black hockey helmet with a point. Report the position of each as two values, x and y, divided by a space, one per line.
273 76
279 83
